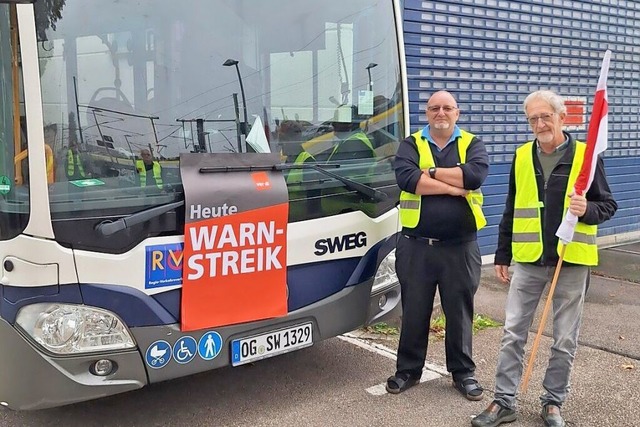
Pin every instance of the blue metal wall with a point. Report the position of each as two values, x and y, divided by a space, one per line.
492 53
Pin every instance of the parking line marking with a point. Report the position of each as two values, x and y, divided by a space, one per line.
430 372
372 347
377 390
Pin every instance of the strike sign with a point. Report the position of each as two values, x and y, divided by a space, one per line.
234 265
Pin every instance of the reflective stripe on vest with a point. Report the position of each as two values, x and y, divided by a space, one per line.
410 203
157 173
526 242
71 164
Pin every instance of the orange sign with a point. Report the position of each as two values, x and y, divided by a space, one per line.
575 112
235 268
261 179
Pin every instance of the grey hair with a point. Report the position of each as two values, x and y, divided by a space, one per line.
553 99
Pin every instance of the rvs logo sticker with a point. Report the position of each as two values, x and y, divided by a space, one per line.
341 243
163 265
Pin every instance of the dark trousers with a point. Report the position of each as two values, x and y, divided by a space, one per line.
455 271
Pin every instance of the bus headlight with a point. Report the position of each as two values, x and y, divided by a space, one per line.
72 329
386 274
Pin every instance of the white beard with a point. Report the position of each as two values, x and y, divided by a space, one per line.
546 138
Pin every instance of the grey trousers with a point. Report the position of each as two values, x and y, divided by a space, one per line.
527 285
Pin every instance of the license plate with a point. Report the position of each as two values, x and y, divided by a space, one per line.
270 344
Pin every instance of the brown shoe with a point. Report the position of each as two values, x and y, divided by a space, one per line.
551 416
493 416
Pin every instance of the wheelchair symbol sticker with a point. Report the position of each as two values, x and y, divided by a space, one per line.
185 349
158 354
210 345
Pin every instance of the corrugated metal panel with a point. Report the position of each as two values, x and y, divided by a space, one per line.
492 53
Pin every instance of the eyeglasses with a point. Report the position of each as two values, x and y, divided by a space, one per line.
547 118
437 108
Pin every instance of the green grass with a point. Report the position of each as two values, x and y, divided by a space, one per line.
437 327
382 329
480 322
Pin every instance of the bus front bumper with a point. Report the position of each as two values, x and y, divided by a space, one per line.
31 379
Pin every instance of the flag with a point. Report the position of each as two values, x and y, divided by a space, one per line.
596 144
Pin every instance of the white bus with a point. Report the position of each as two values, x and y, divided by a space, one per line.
92 240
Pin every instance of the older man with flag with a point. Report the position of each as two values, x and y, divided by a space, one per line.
543 186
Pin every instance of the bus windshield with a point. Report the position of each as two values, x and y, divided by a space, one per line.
129 86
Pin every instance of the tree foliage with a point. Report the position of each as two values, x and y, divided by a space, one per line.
48 12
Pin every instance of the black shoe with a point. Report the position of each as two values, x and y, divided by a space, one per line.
551 416
469 388
400 382
493 416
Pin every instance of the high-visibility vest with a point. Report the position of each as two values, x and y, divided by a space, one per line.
51 171
157 173
295 175
356 136
526 242
410 203
73 160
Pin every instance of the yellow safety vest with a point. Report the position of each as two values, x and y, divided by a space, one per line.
295 175
410 203
157 173
357 136
72 159
526 242
51 172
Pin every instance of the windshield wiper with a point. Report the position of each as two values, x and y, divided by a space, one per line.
107 228
364 189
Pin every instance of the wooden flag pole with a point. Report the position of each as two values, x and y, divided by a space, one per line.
543 321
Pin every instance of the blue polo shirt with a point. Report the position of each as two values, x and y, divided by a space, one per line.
456 134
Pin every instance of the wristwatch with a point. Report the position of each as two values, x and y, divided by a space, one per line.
432 172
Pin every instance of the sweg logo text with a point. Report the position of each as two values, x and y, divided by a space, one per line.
341 243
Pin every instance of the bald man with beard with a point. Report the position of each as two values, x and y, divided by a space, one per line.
439 169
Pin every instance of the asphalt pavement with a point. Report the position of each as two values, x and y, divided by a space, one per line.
606 372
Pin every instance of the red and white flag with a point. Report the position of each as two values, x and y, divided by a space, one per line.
596 144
